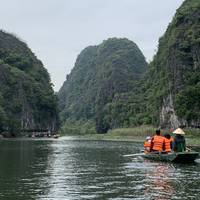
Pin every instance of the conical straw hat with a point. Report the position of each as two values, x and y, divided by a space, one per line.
179 131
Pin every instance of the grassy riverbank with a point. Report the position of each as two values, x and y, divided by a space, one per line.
121 134
125 134
138 134
192 137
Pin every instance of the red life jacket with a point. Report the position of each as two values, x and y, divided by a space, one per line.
158 142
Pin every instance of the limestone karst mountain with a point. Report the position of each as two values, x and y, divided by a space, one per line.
99 86
27 100
174 74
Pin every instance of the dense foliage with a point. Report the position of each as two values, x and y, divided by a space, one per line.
103 85
108 86
175 69
27 100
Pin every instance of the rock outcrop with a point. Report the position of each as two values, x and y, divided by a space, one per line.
175 70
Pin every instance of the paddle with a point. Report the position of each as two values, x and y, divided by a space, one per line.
133 155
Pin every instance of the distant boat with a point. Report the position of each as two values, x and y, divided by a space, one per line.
180 157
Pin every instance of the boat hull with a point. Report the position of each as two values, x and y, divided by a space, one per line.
181 157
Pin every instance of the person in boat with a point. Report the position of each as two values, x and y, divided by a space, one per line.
179 144
157 142
168 143
147 144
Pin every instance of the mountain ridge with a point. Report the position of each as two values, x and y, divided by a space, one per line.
102 72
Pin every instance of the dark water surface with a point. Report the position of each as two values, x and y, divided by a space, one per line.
72 169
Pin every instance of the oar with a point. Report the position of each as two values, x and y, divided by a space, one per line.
133 155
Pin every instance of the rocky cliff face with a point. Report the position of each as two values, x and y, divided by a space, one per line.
107 82
168 117
175 70
27 100
98 87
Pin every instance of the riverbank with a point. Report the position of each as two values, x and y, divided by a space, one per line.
109 137
139 134
136 134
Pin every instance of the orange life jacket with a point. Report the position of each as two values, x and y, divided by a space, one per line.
147 145
168 144
158 142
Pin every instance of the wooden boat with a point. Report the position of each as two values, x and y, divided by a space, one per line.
181 157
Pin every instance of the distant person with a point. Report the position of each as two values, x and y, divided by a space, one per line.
168 143
157 142
179 144
147 144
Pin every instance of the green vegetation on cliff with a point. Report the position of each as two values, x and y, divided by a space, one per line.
103 86
27 100
110 86
174 75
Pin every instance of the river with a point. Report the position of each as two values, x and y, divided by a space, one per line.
67 168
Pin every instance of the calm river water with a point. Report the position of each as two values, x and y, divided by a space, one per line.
65 169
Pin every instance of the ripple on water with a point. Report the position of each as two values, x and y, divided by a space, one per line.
69 170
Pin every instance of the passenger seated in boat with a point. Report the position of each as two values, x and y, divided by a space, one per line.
179 144
157 142
147 144
168 142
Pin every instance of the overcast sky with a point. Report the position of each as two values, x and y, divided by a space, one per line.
57 30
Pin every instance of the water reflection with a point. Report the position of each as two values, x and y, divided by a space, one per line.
159 182
67 169
164 181
84 170
22 169
62 178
